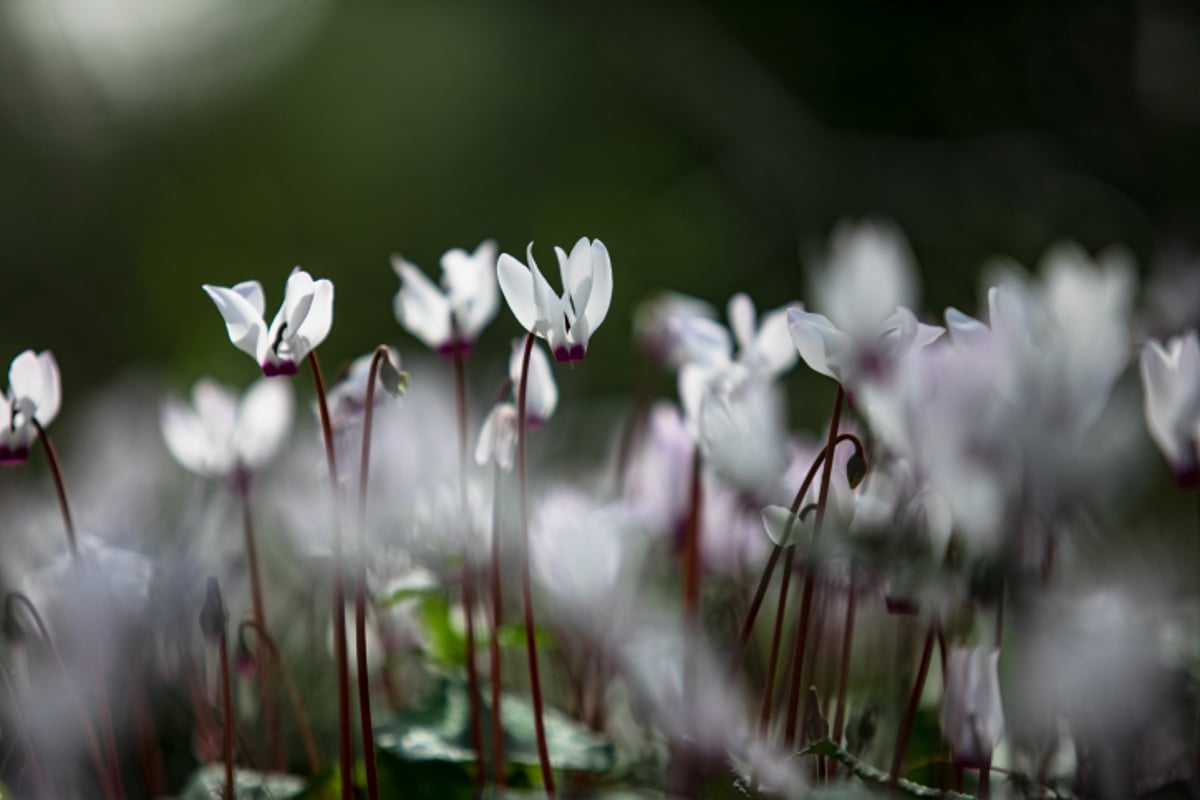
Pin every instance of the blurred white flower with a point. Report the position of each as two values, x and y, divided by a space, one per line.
764 348
348 398
220 435
1171 382
865 289
498 436
449 319
34 393
659 324
302 323
568 321
972 717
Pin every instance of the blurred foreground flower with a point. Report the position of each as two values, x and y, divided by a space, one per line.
302 323
972 718
34 394
568 321
450 321
498 437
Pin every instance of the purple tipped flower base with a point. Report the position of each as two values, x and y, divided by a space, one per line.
12 456
273 369
564 354
455 348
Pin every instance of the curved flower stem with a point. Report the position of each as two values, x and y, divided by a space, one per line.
60 487
154 780
31 760
498 777
266 686
311 750
346 743
764 581
468 574
535 683
789 732
107 784
365 722
910 711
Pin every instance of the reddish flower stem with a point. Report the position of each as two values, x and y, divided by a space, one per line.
910 711
839 719
498 776
468 574
227 714
764 713
345 740
60 488
535 683
266 686
789 732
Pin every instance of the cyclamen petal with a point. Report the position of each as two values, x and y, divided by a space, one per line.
782 526
1171 384
822 346
301 324
420 307
498 437
33 380
541 392
567 321
449 318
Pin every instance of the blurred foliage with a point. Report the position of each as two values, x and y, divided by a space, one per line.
711 145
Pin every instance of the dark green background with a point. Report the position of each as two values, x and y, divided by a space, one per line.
709 145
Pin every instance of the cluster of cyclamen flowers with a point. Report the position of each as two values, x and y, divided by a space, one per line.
962 469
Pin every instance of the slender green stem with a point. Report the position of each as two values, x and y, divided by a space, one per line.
468 574
346 743
535 683
789 732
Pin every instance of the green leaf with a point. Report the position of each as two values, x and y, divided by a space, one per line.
441 731
443 642
208 783
876 777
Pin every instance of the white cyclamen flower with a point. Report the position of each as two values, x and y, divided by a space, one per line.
658 322
972 717
498 437
220 434
348 399
568 321
865 290
34 393
764 347
302 323
1171 380
449 319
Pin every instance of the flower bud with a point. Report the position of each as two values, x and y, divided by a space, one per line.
212 615
972 717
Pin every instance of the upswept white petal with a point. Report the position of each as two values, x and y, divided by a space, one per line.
317 322
782 525
516 284
245 324
217 407
253 292
869 272
773 347
498 437
186 438
297 299
602 285
419 306
966 331
264 419
549 306
470 283
822 346
541 392
35 386
657 323
704 342
742 320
